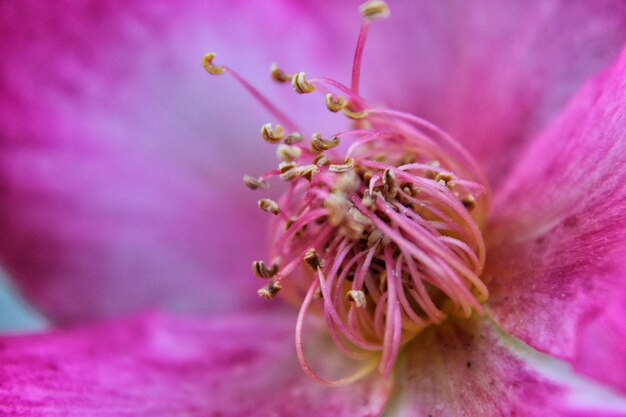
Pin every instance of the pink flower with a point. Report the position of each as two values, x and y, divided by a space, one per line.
121 190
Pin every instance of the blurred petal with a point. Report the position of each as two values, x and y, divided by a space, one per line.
162 366
467 369
121 159
102 102
557 242
490 72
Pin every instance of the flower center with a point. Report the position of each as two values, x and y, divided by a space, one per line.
379 229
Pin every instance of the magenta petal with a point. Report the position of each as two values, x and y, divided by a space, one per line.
464 369
557 240
162 366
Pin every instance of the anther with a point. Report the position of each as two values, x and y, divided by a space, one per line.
288 153
301 85
373 10
390 183
262 271
293 138
309 172
443 178
321 160
469 202
335 104
347 165
207 63
270 290
357 297
312 259
368 199
269 206
254 183
320 144
350 114
272 134
279 75
286 166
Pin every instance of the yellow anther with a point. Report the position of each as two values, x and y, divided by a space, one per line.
207 63
469 202
254 183
320 144
321 160
368 199
293 138
286 166
269 206
270 290
357 297
288 153
354 115
312 259
272 135
347 165
309 172
279 75
335 104
262 271
301 85
390 183
443 178
374 9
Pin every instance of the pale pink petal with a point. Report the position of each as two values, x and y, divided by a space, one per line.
557 239
466 369
121 159
161 366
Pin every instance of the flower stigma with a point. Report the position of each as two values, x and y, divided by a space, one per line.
379 230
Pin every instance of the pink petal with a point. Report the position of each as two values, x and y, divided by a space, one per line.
465 369
162 366
102 102
558 235
492 73
121 159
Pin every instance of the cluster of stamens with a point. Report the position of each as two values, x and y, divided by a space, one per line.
379 226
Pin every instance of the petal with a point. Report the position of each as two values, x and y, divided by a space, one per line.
162 366
121 159
492 73
466 368
557 237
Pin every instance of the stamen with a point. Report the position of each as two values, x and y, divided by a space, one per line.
312 259
335 104
319 144
270 290
207 62
278 74
347 165
301 85
357 297
269 206
254 183
272 135
262 271
374 9
370 10
294 138
288 153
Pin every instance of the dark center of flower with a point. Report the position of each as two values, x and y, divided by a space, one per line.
379 228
